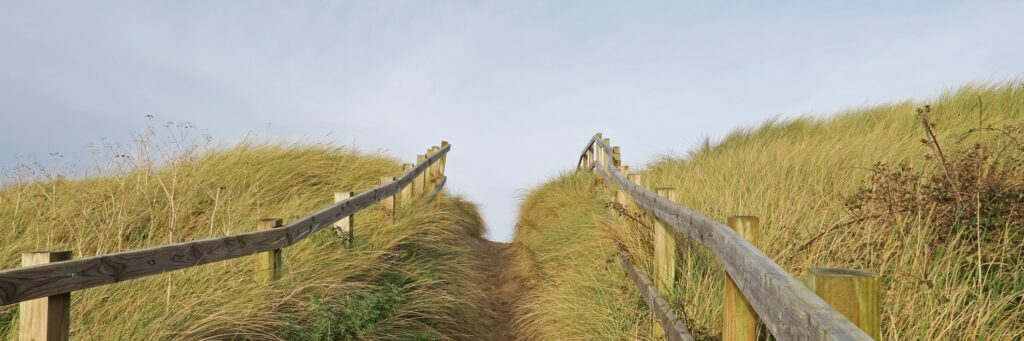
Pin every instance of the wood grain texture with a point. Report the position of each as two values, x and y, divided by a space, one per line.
857 294
431 173
664 251
46 318
388 205
344 226
739 321
268 264
621 197
607 158
664 256
420 181
407 191
444 158
637 179
17 285
786 306
671 327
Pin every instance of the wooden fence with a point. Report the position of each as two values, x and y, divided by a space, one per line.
757 290
44 285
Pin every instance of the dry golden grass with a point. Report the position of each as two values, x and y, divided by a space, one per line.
409 280
575 286
944 278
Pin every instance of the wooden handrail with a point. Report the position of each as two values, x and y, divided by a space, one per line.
788 308
674 329
22 284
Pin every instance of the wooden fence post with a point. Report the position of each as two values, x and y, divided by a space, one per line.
621 197
637 179
740 318
389 204
590 160
431 177
47 318
444 159
343 227
420 182
268 264
436 165
854 293
616 156
664 258
428 172
407 191
604 157
664 249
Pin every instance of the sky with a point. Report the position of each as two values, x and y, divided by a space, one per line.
517 87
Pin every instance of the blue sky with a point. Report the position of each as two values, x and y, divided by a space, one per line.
516 86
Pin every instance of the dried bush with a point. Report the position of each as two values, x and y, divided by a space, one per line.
972 190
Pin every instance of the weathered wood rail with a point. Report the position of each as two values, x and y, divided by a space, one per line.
672 327
788 308
55 280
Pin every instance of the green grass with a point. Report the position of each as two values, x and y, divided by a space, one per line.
407 280
944 230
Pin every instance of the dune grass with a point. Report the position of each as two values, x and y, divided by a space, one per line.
408 280
936 211
575 286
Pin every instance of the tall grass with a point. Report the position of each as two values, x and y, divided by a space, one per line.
798 176
934 210
575 286
406 280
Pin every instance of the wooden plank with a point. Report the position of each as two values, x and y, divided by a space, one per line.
664 250
444 159
17 285
740 320
671 327
431 176
637 179
436 166
407 191
664 256
344 226
389 204
854 293
621 197
46 318
786 306
606 154
268 264
419 184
